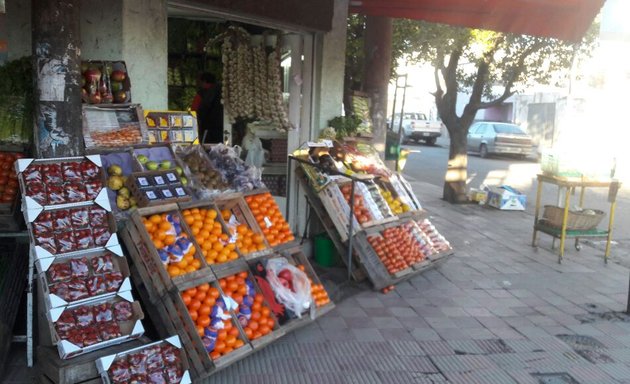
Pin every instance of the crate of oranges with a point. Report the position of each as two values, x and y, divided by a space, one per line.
273 225
211 235
248 236
210 318
159 242
322 301
252 311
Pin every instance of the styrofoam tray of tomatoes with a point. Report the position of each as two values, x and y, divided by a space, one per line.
75 279
82 328
69 231
61 182
9 184
164 361
397 247
270 219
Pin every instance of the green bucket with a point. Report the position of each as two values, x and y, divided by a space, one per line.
325 252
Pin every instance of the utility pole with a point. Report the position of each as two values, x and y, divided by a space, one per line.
57 78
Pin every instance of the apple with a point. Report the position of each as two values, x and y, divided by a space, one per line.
165 164
142 159
118 75
152 165
120 97
95 98
116 86
92 75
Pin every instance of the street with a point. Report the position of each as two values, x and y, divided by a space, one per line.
428 164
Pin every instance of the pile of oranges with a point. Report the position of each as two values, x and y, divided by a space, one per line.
208 233
253 315
219 336
174 248
247 241
319 294
268 215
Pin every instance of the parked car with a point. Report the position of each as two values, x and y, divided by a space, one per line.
416 127
488 138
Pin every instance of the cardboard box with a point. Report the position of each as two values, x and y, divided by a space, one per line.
506 198
104 363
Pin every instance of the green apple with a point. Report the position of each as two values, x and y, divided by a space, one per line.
152 165
143 159
179 170
165 164
184 180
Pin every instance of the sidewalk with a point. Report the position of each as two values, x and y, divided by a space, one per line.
497 312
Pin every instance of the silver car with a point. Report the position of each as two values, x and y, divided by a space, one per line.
488 138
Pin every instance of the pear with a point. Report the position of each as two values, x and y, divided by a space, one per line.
115 183
114 170
122 203
124 192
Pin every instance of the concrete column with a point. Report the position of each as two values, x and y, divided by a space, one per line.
331 48
18 28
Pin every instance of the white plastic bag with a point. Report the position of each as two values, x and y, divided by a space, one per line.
255 153
298 299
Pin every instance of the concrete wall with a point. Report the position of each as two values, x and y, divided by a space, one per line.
131 30
330 68
18 28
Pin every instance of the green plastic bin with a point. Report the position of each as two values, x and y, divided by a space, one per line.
325 253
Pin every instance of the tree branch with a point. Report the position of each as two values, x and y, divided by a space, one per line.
506 94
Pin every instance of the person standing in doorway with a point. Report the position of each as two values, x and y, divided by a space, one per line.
207 104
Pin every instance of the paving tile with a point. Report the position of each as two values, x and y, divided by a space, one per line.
387 322
454 334
370 302
358 322
469 347
347 348
321 364
422 334
329 323
395 334
590 374
466 322
480 333
522 377
338 335
485 376
436 347
363 377
506 333
327 378
464 363
617 371
353 363
440 322
402 312
478 312
367 334
406 348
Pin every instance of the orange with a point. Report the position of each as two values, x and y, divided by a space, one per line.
200 331
193 315
265 329
194 305
203 320
190 269
226 214
248 332
239 343
155 219
174 271
195 264
227 350
158 244
186 298
213 292
230 341
228 325
265 311
222 334
214 354
253 324
200 295
219 346
209 301
242 275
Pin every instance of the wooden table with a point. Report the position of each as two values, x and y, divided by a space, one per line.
563 233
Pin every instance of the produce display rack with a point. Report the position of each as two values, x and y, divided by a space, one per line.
563 232
162 299
361 259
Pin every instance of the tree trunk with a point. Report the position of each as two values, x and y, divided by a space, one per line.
56 40
455 190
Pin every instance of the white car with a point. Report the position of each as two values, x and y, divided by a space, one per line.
416 127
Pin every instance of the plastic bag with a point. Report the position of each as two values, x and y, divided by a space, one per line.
255 153
296 295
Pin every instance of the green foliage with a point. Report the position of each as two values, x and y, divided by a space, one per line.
345 126
16 102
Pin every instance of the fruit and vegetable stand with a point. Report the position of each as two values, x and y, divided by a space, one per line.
562 222
189 229
371 214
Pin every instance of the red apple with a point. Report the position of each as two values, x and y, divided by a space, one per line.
95 98
118 75
92 75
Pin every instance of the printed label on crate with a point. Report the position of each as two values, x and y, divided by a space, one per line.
268 222
159 180
143 182
180 192
166 193
171 177
151 195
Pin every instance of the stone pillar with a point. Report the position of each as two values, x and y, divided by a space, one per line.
58 131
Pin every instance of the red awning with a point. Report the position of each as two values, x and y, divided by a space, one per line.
562 19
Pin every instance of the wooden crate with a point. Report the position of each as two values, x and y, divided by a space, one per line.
243 214
278 331
217 268
296 256
80 369
143 252
162 187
